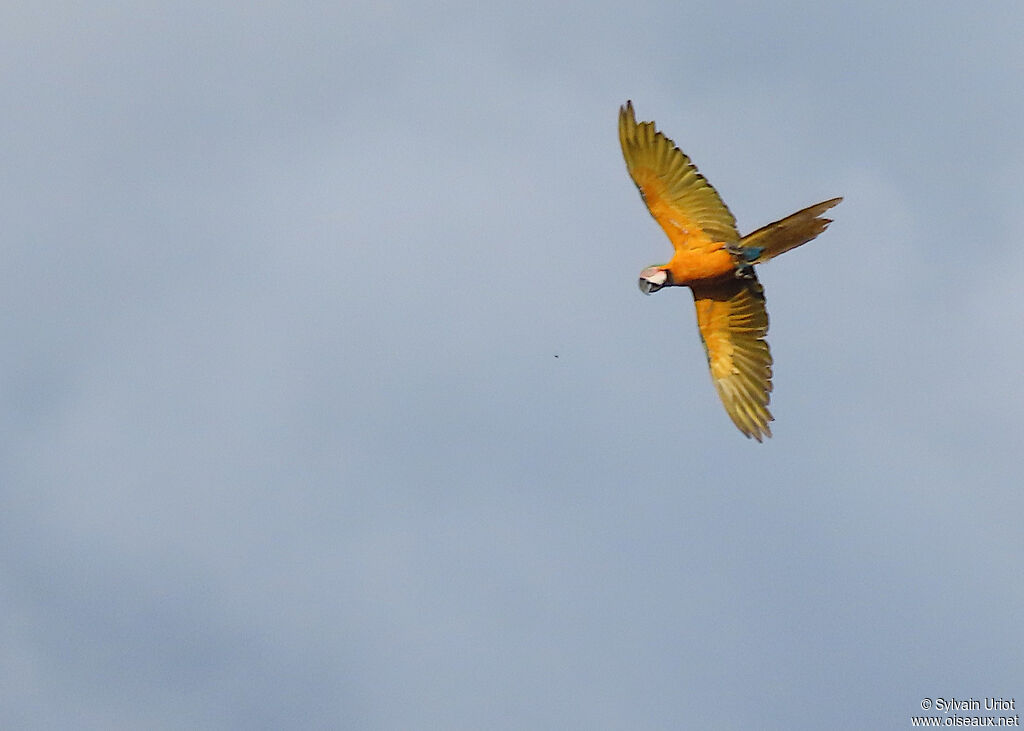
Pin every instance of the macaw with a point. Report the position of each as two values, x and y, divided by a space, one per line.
716 264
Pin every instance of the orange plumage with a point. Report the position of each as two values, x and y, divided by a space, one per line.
717 265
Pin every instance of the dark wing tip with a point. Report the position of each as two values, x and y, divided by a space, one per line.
626 112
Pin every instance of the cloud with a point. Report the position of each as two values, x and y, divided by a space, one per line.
285 439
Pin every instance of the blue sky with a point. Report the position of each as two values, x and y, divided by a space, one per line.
284 441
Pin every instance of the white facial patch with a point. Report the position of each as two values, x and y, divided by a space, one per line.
655 276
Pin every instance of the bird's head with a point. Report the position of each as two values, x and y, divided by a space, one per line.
653 278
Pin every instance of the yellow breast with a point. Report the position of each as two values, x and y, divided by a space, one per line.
691 266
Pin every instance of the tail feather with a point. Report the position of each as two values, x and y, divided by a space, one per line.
789 233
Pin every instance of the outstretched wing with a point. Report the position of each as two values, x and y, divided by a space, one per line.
679 198
733 323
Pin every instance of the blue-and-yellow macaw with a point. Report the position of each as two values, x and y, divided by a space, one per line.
716 264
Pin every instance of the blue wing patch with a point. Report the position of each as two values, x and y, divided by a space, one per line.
751 253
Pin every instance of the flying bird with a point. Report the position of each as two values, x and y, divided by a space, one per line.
716 264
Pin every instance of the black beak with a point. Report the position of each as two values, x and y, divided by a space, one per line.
648 287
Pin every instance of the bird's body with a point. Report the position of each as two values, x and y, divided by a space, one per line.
689 267
717 264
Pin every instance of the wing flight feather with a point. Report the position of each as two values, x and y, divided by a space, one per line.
733 324
681 200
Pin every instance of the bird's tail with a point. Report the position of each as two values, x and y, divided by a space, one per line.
779 237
